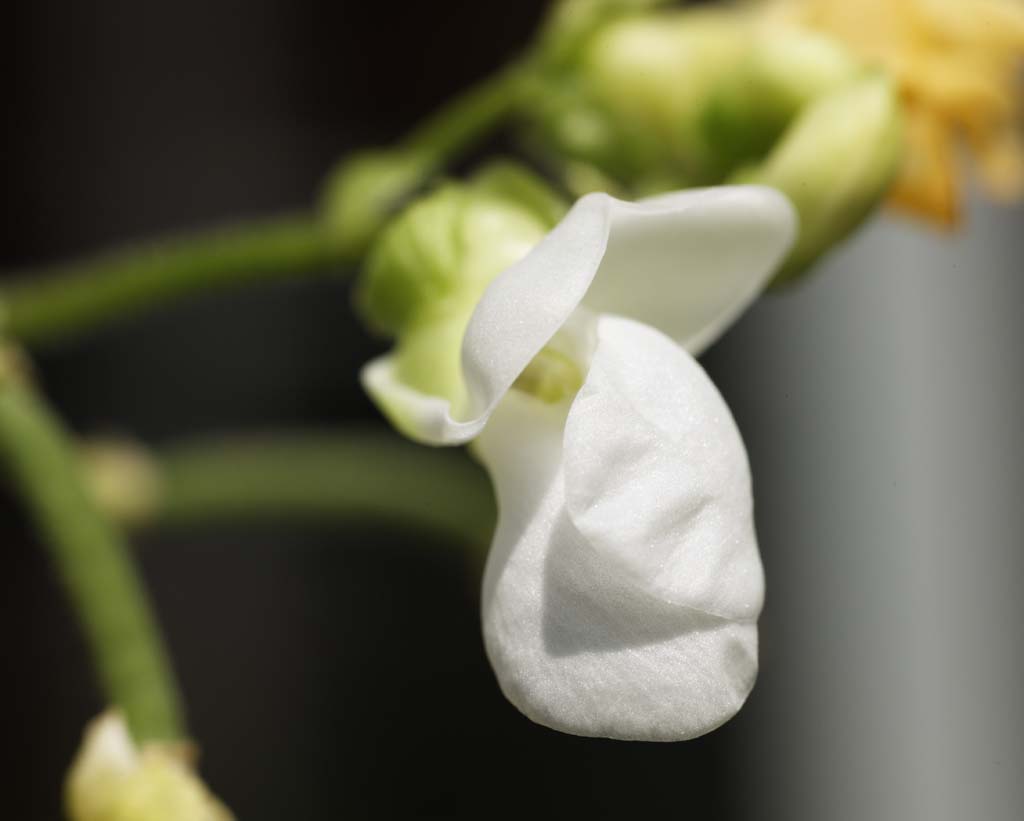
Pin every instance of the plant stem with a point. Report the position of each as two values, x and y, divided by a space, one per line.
333 476
93 563
469 116
53 305
82 295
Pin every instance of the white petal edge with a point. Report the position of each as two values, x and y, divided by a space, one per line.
576 644
687 262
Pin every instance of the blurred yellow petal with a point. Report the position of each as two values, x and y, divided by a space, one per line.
957 63
927 184
1000 161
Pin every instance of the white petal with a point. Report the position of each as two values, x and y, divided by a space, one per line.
576 643
687 262
690 262
420 416
657 477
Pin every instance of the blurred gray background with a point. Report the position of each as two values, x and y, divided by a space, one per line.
882 406
335 674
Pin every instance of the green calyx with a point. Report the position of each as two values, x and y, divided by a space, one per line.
431 264
685 97
675 99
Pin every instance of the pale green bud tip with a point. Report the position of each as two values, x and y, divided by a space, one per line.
112 780
836 163
436 257
124 480
365 191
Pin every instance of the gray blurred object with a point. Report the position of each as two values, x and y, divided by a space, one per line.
882 405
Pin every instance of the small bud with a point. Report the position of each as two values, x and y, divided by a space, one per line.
112 780
570 23
366 190
835 164
124 481
661 101
429 267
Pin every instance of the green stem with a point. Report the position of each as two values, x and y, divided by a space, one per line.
82 295
330 476
93 563
470 116
366 189
58 304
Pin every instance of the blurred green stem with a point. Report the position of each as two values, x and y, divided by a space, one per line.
471 115
342 476
50 305
92 561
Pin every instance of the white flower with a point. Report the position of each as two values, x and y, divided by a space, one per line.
623 585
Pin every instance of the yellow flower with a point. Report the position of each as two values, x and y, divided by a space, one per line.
112 780
957 65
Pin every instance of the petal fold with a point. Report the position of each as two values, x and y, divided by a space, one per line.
657 477
593 635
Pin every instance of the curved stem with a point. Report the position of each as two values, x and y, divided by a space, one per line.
93 563
471 115
57 304
333 476
79 296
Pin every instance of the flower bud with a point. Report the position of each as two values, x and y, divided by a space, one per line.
112 780
835 164
658 102
429 267
366 190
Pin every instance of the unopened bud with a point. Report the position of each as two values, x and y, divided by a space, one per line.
430 266
14 365
112 780
835 164
366 190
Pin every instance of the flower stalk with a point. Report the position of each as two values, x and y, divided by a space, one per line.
44 307
50 306
92 561
338 476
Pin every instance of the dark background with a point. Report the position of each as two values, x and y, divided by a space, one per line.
327 673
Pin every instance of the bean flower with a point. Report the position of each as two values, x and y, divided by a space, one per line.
623 585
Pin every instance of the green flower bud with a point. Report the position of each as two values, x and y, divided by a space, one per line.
835 164
670 100
366 190
429 267
685 97
570 23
